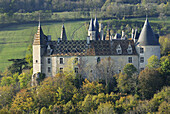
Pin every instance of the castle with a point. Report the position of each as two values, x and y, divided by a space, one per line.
51 57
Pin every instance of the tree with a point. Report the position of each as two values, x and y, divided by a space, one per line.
127 83
6 81
165 68
23 101
105 70
6 95
24 79
129 69
165 65
29 57
153 62
164 108
150 81
17 65
105 108
44 110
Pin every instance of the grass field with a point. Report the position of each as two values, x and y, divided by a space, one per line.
14 40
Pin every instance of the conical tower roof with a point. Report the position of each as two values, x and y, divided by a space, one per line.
63 33
96 24
108 34
147 37
39 36
91 26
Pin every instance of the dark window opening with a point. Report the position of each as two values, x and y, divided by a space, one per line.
61 70
141 59
61 61
130 59
36 61
49 61
49 69
141 50
76 70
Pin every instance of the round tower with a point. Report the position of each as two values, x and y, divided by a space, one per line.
147 45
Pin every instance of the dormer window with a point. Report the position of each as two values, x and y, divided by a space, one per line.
49 50
119 49
129 50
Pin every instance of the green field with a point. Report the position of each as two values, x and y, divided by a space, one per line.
14 40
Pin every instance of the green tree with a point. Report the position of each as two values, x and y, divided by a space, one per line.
6 95
44 110
164 108
24 79
129 69
6 81
165 68
153 62
17 66
165 65
29 57
150 81
23 101
127 83
105 108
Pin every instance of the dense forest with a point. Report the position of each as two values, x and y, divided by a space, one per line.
66 5
28 10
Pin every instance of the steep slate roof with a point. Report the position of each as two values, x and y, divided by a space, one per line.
95 48
117 36
96 24
39 37
108 34
63 33
91 26
147 37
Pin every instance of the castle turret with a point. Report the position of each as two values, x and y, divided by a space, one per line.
136 36
108 34
96 24
123 37
63 33
147 45
133 33
39 45
91 31
96 28
101 31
